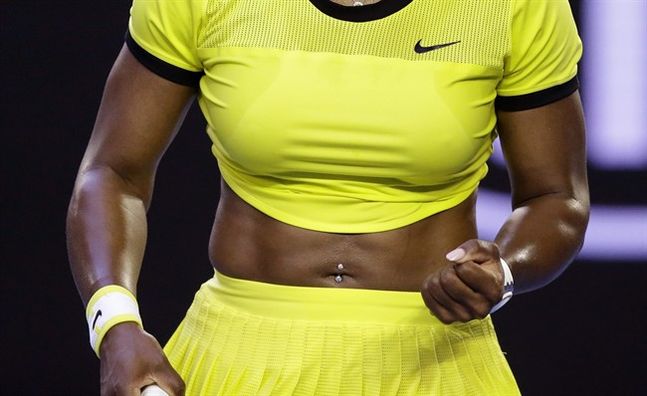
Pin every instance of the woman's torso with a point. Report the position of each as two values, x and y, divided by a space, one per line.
247 244
344 154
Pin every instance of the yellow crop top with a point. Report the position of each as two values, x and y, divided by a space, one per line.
357 119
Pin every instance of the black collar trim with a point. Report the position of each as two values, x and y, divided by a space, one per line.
365 13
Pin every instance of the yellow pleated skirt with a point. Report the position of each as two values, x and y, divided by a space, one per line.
243 338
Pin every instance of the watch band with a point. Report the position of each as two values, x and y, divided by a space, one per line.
508 286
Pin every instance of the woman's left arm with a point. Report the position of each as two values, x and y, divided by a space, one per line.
546 156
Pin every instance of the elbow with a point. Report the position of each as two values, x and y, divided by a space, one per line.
580 206
101 181
576 216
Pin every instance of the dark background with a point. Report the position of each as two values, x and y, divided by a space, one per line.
585 334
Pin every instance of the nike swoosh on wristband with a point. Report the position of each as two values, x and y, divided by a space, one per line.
421 50
96 317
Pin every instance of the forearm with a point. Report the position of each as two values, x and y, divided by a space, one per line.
542 236
106 231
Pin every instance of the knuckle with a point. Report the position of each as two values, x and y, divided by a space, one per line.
439 297
485 309
179 386
475 309
486 248
430 287
441 314
464 316
445 318
429 301
159 361
434 283
447 278
473 244
427 283
482 311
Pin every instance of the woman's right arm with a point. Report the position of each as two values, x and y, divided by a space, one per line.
139 115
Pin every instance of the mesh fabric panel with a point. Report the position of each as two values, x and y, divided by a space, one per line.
481 27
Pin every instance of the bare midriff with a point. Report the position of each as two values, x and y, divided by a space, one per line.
247 244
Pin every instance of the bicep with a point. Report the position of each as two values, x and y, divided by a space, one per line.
545 150
139 115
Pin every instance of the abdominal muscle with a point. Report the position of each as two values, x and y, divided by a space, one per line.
247 244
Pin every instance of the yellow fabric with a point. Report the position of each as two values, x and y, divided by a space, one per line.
249 338
168 30
545 47
341 126
102 292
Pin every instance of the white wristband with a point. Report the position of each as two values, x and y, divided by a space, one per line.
508 286
109 306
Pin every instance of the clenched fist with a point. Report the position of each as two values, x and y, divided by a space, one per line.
132 359
470 287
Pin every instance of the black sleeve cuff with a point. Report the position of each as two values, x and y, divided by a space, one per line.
536 99
163 69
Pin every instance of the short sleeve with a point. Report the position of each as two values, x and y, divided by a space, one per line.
541 64
163 35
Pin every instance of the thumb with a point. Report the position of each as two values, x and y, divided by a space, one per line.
474 250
